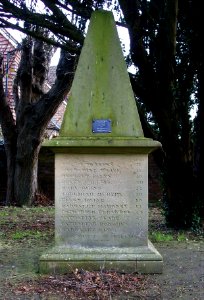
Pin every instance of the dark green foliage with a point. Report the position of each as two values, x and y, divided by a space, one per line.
166 49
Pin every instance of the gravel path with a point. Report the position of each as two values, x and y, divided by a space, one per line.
183 274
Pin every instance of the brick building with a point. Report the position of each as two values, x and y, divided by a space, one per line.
10 49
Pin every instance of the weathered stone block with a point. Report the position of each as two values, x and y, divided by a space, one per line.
101 166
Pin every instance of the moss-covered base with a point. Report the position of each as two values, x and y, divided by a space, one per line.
102 145
60 260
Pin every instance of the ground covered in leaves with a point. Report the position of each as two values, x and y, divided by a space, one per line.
25 233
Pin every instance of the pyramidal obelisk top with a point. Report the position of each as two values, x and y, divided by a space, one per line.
101 100
101 110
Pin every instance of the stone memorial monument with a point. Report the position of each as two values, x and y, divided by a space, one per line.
101 166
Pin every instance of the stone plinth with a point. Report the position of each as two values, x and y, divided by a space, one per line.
101 218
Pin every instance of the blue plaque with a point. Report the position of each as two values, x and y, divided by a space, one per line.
101 126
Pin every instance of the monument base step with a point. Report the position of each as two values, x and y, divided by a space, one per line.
65 259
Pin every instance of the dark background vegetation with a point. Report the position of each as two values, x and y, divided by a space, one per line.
165 48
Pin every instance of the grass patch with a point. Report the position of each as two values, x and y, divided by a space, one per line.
33 223
181 237
31 234
161 237
167 237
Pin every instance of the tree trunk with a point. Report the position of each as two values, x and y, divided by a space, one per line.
31 126
10 161
178 196
199 149
26 167
26 176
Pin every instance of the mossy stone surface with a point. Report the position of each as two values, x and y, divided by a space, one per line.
61 260
101 88
102 145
